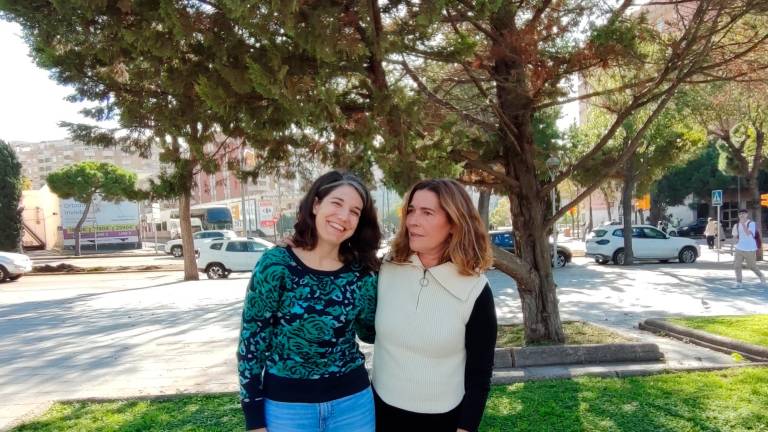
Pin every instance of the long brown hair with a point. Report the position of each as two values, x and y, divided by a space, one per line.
359 249
468 245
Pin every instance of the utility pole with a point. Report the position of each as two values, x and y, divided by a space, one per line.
279 204
243 187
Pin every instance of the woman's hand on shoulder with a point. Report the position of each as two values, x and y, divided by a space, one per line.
257 430
286 241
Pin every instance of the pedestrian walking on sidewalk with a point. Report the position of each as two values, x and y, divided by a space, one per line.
300 367
711 232
744 234
435 318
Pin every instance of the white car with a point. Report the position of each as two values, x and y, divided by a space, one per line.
13 266
174 247
606 244
218 258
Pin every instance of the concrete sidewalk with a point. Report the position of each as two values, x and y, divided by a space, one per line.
116 336
51 255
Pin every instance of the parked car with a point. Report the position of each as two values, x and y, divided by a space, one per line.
218 258
174 247
606 244
505 239
693 229
13 266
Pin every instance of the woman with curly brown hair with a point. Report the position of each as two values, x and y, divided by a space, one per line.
300 367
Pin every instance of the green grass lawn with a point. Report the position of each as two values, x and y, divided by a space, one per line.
576 333
727 401
747 328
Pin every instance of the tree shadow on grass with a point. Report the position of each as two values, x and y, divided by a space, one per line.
533 407
728 401
214 413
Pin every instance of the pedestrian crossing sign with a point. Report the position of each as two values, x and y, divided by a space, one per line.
717 197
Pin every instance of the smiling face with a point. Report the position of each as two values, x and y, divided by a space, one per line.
427 223
337 215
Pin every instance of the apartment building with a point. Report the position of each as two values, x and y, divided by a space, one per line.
280 194
38 159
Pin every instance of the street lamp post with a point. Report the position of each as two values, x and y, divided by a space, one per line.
553 164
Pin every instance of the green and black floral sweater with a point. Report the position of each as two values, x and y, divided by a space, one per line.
299 326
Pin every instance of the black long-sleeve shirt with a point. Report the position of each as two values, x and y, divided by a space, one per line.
480 342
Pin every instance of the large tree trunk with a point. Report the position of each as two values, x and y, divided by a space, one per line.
483 205
79 226
533 270
626 202
537 288
187 243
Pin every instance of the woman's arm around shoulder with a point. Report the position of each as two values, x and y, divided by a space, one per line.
366 318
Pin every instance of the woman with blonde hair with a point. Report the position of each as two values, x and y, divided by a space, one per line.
435 317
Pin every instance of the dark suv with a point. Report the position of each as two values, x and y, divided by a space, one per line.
505 239
694 229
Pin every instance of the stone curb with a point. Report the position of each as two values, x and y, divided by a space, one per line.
95 256
576 354
722 344
103 272
514 376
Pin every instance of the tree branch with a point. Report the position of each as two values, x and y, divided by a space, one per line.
512 265
487 126
631 148
459 156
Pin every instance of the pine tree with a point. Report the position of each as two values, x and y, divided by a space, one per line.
10 190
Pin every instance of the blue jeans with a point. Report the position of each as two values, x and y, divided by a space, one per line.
352 413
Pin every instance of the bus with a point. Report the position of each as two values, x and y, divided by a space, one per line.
211 216
203 217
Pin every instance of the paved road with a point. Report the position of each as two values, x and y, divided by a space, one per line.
117 335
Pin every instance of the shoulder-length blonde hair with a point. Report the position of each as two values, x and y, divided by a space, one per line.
468 245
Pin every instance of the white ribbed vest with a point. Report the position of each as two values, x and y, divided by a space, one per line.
419 355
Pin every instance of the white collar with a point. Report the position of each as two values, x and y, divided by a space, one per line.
448 276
